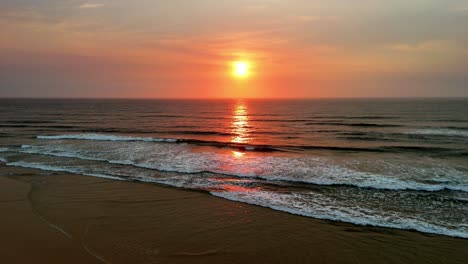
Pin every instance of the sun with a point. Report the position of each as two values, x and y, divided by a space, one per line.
240 68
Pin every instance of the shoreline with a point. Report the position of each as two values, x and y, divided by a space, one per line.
110 221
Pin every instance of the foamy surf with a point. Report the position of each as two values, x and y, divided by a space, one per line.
302 169
100 137
245 146
440 132
72 170
359 216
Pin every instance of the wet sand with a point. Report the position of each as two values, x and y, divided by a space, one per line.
64 218
25 237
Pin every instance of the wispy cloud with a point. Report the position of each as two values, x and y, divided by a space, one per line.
309 18
89 5
254 8
427 46
461 8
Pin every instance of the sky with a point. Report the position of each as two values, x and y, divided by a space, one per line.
186 48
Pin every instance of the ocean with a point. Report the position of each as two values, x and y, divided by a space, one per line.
397 163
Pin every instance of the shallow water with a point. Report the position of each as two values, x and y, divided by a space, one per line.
392 163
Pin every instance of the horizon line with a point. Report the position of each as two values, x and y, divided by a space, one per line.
232 98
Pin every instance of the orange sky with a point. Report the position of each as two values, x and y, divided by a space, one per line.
174 49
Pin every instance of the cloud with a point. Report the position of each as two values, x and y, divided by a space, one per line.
254 8
461 8
427 46
89 5
309 18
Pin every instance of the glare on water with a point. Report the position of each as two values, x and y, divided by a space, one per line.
240 124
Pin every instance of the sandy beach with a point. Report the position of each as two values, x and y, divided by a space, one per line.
76 219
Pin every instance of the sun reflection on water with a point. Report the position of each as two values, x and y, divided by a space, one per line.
240 124
238 154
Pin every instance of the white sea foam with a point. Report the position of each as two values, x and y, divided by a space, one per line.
73 170
101 137
3 160
312 170
4 149
440 132
325 208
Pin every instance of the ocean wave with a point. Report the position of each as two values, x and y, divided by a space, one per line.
308 170
451 120
101 137
4 149
196 132
28 121
324 208
352 124
281 120
450 127
440 132
19 125
410 137
255 147
147 131
162 116
73 170
355 117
